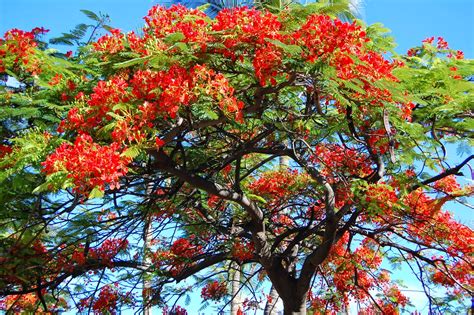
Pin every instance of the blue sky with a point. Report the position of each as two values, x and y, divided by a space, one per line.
410 20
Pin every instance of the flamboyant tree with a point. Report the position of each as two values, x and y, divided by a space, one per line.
171 138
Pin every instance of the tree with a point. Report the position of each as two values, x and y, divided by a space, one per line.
172 137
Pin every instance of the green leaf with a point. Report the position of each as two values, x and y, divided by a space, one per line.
203 7
257 198
41 188
96 193
182 46
80 30
377 29
119 106
114 115
91 15
131 152
291 49
187 301
174 37
354 87
130 62
107 27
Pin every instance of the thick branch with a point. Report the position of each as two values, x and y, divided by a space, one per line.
258 228
91 264
322 251
166 164
193 269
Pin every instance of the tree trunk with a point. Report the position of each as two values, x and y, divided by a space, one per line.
295 306
235 304
284 162
270 306
146 281
147 238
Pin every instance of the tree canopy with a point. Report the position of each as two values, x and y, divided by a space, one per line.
290 143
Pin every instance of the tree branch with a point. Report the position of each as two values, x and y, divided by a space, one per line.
446 173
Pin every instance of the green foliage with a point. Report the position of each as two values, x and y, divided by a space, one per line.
340 131
83 34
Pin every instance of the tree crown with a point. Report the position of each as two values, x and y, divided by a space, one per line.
288 143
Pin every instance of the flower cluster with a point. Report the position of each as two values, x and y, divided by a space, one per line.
354 273
447 185
256 29
322 36
428 224
379 141
214 290
276 185
20 303
244 25
158 94
179 256
110 43
105 95
5 150
174 83
243 251
459 272
381 198
183 248
30 303
107 302
88 164
177 310
17 49
108 250
442 48
192 23
334 159
266 62
215 85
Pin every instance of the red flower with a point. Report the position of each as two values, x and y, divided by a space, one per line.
5 150
159 142
214 291
161 21
243 251
110 43
245 25
39 31
88 164
183 248
20 45
428 40
442 44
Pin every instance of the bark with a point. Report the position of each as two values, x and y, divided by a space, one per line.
292 291
235 284
147 238
296 306
284 162
270 306
146 282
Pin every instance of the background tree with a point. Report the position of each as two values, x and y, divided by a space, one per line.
177 131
